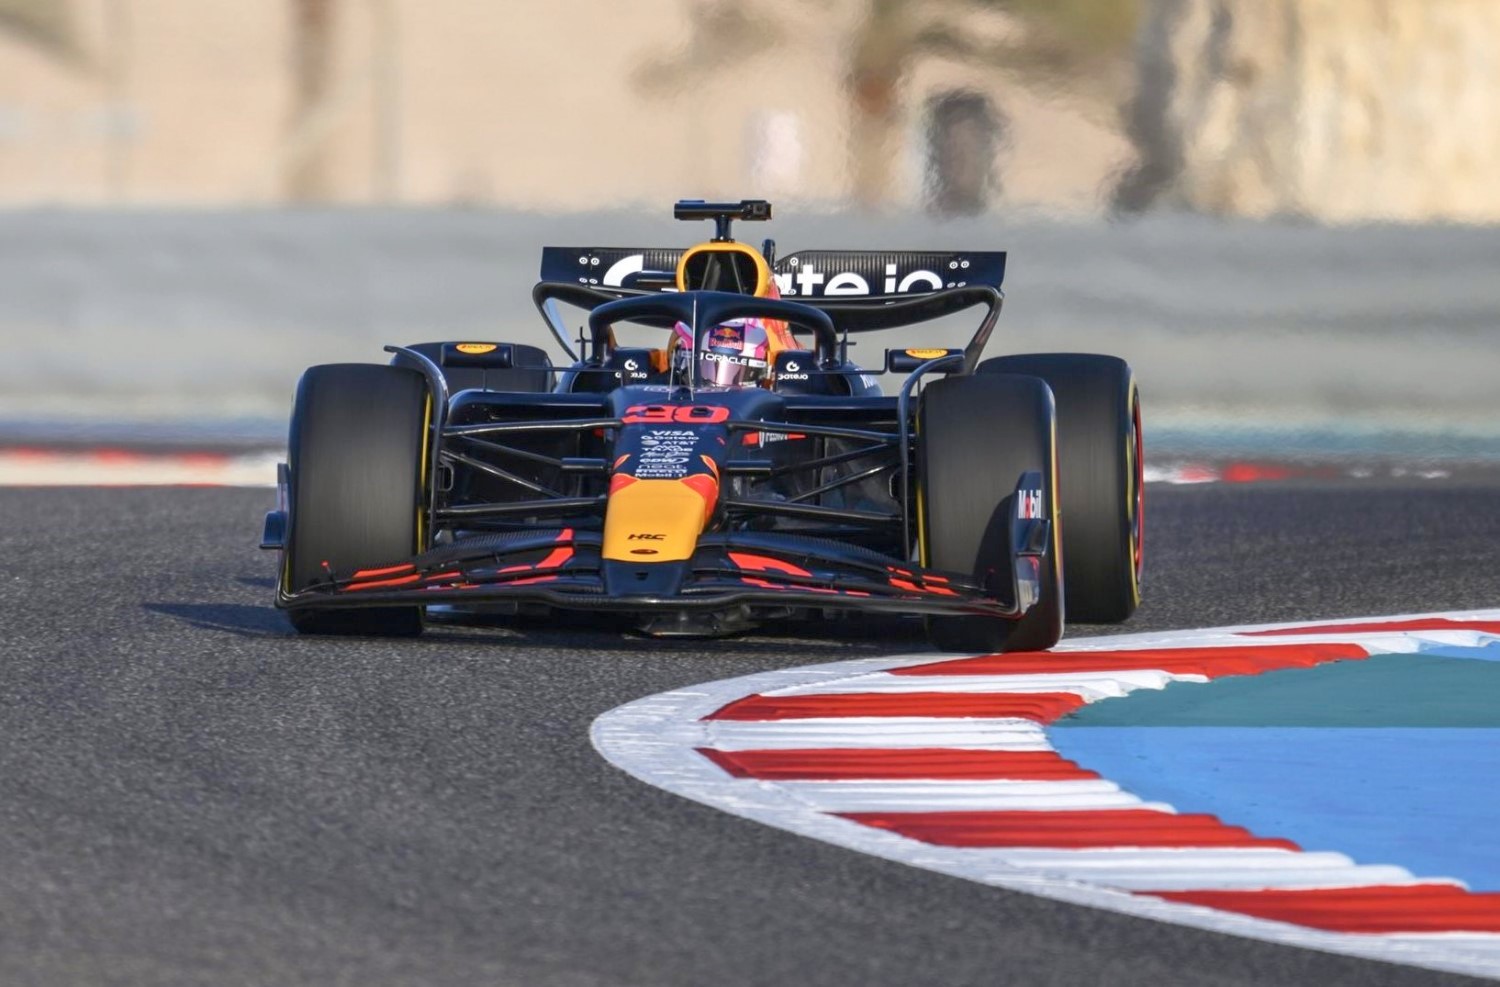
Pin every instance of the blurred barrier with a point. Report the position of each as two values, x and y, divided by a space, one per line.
116 316
1332 111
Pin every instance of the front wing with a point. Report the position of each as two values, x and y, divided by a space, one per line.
564 568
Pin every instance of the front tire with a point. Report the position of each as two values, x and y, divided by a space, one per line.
356 461
978 435
1101 477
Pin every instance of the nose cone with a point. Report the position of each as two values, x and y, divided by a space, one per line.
654 521
654 580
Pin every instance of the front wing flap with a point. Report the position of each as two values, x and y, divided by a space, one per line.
564 568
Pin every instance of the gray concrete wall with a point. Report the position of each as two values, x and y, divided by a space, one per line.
120 316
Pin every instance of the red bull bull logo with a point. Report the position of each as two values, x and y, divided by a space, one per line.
726 336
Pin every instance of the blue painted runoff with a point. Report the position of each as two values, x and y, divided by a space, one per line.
1423 798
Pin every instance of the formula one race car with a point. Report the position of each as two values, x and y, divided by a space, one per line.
744 470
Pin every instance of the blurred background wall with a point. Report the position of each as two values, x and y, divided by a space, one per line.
1337 110
1279 210
574 105
1340 110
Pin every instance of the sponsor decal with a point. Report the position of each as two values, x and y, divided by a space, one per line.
665 454
927 354
622 268
656 436
808 282
791 370
645 536
609 266
1029 504
667 414
475 349
739 361
726 336
806 279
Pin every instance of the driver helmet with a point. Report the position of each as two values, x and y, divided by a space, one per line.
729 354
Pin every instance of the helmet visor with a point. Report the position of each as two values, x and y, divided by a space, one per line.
732 355
728 369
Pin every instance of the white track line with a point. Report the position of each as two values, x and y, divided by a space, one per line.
874 732
1249 879
1092 686
940 796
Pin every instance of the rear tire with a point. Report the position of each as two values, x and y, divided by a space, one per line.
977 436
356 450
1100 477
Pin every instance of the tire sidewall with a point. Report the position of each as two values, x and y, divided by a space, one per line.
977 436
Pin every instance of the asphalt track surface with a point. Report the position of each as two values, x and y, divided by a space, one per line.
191 795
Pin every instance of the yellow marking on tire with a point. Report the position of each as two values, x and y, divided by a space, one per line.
422 472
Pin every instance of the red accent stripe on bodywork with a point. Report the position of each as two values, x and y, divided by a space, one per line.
554 559
764 563
378 583
912 587
388 570
767 584
706 485
841 764
1066 829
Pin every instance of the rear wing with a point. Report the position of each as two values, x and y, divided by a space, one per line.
809 276
882 275
612 267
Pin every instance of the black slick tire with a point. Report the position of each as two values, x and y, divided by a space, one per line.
977 436
356 449
1100 477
